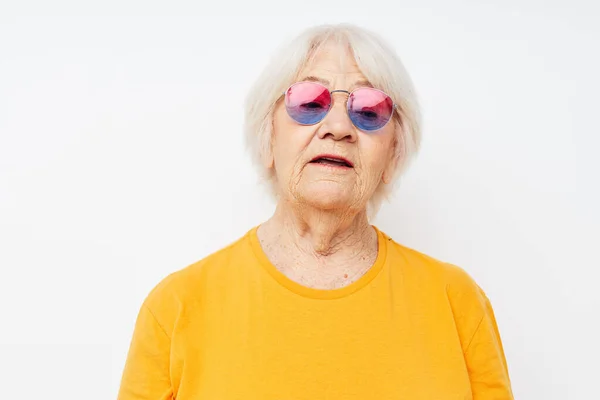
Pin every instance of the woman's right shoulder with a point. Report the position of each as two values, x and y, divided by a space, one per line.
184 287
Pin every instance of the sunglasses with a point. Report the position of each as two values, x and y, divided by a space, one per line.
308 103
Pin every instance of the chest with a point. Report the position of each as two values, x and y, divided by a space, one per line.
285 350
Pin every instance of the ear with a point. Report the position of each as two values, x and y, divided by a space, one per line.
397 151
388 172
269 160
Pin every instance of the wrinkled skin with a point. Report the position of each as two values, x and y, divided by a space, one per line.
320 235
294 145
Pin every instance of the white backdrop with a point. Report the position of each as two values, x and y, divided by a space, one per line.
121 160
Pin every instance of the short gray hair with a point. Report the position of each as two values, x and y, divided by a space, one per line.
379 64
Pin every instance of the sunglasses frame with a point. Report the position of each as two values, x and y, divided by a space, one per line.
349 93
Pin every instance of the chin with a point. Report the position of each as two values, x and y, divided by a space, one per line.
327 196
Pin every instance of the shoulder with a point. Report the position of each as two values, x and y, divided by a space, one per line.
184 288
450 284
435 273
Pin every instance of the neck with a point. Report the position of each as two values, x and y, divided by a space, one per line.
320 232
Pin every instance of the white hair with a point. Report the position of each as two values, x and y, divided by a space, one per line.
378 63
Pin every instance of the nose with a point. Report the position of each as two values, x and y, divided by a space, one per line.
336 124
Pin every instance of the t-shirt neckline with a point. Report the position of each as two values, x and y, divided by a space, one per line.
324 294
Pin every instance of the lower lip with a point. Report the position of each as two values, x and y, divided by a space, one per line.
332 166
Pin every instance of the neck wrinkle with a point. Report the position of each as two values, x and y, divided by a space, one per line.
321 233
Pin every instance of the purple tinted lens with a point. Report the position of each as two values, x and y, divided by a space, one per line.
307 103
370 109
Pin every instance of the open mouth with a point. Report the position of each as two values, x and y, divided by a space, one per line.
332 160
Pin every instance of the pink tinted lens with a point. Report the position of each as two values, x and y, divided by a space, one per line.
307 102
370 109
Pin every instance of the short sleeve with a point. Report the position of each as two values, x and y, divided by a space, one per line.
486 363
146 373
479 337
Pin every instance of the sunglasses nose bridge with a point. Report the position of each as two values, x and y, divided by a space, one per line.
345 100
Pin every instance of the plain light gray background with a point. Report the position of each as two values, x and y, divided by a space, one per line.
121 160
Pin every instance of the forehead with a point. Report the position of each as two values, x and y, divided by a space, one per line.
332 61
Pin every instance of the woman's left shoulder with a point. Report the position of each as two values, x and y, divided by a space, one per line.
420 265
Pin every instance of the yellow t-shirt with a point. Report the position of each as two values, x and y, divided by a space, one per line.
231 326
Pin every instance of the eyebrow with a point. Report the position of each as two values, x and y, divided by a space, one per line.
359 83
311 78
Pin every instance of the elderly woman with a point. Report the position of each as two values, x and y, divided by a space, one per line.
316 303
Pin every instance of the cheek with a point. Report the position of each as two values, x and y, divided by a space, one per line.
289 141
282 137
379 152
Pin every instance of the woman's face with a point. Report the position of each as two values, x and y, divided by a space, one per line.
320 184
